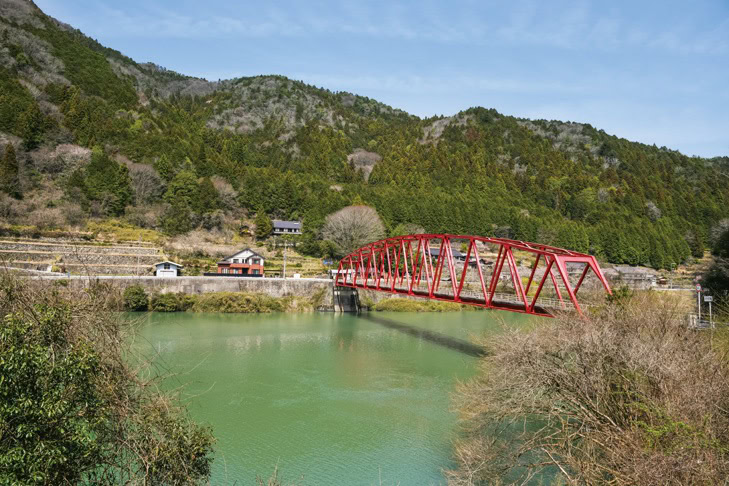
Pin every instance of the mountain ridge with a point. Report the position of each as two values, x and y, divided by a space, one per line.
187 153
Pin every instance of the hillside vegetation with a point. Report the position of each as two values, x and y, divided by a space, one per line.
97 135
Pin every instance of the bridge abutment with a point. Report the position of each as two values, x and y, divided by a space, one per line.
346 300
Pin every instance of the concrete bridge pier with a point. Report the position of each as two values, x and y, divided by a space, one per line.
346 300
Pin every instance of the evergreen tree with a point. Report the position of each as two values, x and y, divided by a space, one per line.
108 181
183 190
164 167
721 247
264 226
208 200
202 167
30 126
177 218
9 181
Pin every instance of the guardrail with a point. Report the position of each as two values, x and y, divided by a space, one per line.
695 323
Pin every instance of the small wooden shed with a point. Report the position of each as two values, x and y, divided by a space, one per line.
167 269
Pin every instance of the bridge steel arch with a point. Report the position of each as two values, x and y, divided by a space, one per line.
414 265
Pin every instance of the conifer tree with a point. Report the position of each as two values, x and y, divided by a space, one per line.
9 172
264 226
208 200
164 168
30 126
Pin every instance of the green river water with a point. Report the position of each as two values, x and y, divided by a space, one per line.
332 399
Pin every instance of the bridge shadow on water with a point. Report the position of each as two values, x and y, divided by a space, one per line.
444 340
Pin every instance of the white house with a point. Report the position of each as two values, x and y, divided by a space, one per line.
245 262
167 269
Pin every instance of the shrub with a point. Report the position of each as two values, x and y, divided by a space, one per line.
135 299
237 302
631 396
165 303
72 411
407 305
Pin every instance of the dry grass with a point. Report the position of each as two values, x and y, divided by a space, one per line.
631 396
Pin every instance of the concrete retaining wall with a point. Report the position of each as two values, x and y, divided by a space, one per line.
275 287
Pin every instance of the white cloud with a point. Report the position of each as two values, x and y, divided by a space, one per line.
565 25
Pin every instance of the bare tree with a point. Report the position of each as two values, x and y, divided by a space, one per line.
146 183
353 227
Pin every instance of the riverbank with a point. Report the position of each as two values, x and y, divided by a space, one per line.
229 302
136 298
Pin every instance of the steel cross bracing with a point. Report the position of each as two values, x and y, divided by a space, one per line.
410 265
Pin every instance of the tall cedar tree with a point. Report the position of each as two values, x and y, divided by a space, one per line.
30 126
208 200
264 226
108 182
9 173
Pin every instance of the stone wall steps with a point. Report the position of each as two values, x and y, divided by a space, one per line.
6 244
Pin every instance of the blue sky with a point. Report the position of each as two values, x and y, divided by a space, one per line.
650 71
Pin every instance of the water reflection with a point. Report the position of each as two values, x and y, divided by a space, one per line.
444 340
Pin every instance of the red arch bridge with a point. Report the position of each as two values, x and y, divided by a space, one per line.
494 273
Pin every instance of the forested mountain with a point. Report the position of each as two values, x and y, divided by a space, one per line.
95 134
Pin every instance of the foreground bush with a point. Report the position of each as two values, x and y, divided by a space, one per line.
630 397
72 410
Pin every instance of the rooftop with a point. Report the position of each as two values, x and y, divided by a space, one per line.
278 224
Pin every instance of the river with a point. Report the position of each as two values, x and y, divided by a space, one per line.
330 398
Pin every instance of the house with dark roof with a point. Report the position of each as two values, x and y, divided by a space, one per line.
245 262
457 255
286 227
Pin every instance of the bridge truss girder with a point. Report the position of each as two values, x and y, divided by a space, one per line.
407 265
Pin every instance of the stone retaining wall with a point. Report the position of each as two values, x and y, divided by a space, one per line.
21 246
90 259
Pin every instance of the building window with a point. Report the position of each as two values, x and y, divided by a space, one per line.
236 260
254 272
167 266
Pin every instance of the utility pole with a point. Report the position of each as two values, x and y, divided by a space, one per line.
139 245
698 301
286 244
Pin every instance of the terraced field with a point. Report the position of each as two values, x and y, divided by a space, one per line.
79 257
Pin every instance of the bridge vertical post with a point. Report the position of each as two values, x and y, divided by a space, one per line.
407 268
428 266
497 273
534 269
582 277
554 282
397 266
516 278
547 272
457 295
451 267
480 273
439 266
563 272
